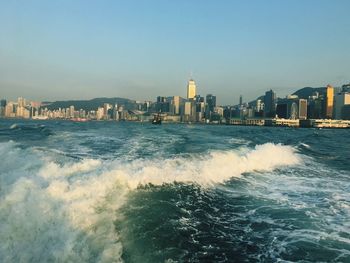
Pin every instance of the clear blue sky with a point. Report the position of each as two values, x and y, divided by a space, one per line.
140 49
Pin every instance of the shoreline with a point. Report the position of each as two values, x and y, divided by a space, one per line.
308 123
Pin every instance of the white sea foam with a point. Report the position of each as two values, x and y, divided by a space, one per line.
216 167
53 212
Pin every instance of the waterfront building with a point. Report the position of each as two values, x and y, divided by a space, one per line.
175 105
23 112
10 109
2 108
292 108
71 111
211 104
187 111
100 113
200 111
329 101
162 104
115 115
302 109
270 104
107 111
340 100
259 105
325 123
191 89
146 106
345 112
21 102
315 108
282 109
282 122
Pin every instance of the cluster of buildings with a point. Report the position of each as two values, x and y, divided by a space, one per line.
322 103
326 103
193 108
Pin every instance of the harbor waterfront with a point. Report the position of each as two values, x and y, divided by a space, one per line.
137 192
175 131
324 107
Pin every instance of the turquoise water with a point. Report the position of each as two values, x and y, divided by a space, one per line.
133 192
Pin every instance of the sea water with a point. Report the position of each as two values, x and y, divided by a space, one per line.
136 192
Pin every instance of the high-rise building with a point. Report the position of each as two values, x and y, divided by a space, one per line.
2 103
10 110
302 109
282 109
21 102
2 108
211 104
270 104
259 106
240 99
340 100
292 108
71 111
100 113
189 111
329 101
162 104
115 115
191 89
175 102
161 99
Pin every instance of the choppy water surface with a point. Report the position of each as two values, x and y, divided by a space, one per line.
132 192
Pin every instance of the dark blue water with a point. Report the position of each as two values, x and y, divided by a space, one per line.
133 192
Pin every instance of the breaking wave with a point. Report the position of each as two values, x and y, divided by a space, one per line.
65 211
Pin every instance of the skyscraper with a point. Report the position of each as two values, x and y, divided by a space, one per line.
302 109
175 105
329 101
270 104
2 108
211 104
21 102
341 99
191 89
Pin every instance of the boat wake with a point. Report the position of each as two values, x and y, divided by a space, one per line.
54 211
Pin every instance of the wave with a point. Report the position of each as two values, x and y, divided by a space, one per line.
213 167
66 212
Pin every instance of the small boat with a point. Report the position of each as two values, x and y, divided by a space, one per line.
79 119
157 119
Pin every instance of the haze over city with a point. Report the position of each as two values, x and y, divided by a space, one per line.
56 50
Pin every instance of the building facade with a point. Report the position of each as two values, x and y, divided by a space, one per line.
191 89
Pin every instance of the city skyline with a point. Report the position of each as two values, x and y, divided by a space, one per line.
323 104
142 49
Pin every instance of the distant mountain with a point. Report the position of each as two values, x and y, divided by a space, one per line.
92 104
304 93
